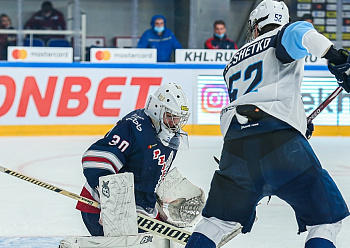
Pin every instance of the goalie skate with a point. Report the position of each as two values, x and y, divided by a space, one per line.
144 240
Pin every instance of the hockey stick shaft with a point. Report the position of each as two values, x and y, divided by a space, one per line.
145 223
50 187
324 104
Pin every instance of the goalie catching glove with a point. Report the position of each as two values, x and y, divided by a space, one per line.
339 66
180 202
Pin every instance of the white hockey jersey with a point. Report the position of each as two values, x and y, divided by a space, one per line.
268 73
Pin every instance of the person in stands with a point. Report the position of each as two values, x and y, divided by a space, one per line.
160 38
219 39
47 18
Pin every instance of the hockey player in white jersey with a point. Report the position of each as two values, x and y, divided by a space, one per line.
265 150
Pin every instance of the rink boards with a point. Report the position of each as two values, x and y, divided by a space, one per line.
88 98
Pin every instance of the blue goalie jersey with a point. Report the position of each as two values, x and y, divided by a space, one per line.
131 146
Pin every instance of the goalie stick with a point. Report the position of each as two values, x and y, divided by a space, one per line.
145 223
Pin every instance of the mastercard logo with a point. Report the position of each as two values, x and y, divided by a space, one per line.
19 54
103 55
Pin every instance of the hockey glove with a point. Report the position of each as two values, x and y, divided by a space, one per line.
179 202
309 130
341 71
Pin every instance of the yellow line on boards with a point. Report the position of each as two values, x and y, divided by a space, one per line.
44 130
211 130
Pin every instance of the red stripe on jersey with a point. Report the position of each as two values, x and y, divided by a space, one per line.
208 43
100 159
234 43
85 207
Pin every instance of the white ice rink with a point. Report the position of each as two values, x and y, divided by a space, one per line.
31 216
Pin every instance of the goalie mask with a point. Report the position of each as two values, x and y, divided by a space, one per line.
267 12
168 109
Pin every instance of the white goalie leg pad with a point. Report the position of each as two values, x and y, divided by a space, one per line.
176 245
215 229
142 240
325 231
179 201
118 208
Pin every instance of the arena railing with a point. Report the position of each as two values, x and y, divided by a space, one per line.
32 32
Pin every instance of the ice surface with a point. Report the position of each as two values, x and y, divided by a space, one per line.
32 216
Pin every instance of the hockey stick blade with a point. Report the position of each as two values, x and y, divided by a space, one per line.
228 238
163 229
216 160
145 223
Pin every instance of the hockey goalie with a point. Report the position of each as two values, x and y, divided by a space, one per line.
128 172
179 203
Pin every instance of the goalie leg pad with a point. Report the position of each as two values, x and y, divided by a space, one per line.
176 245
179 201
144 240
118 208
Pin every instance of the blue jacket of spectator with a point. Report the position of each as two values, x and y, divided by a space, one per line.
165 43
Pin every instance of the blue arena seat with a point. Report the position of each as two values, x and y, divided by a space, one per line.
36 42
58 43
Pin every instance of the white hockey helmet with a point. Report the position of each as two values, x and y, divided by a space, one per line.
169 111
267 12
